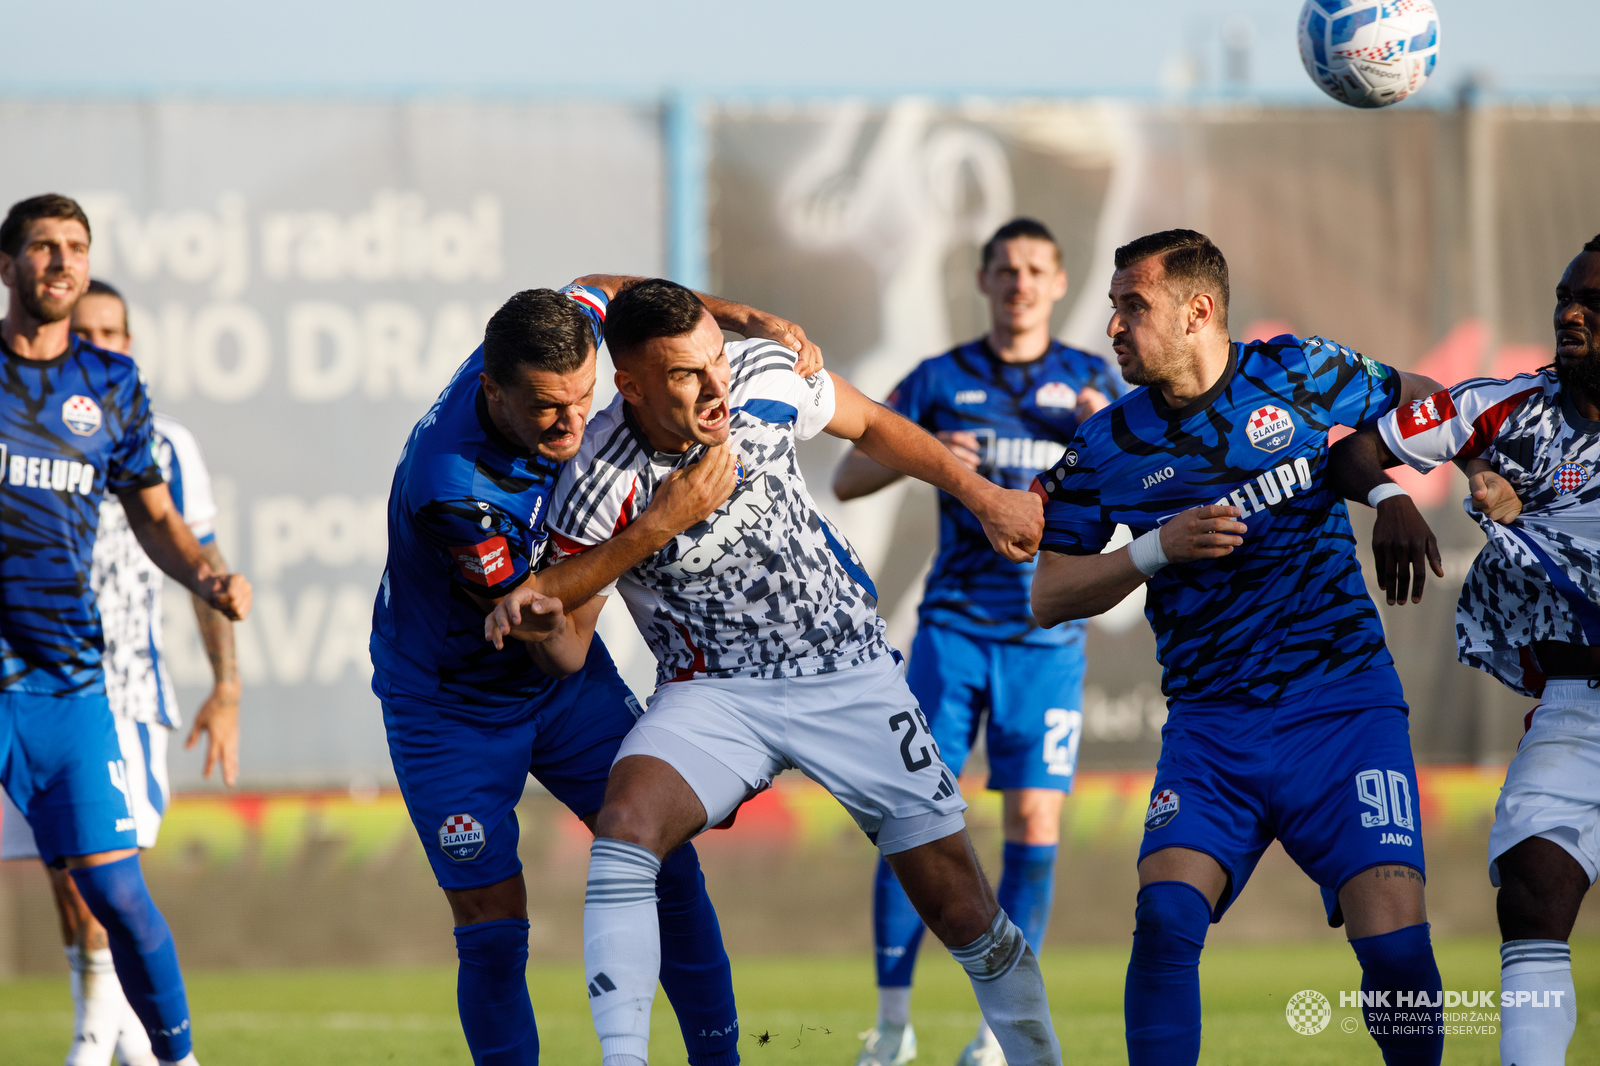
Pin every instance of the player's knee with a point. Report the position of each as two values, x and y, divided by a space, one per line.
629 819
1171 920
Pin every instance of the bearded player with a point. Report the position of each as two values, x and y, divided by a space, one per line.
1286 719
770 653
1004 405
1529 614
127 588
467 723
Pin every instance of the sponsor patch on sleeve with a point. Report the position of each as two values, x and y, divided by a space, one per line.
486 563
1427 413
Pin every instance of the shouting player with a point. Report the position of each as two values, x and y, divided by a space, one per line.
127 588
1004 405
1529 614
75 423
1286 720
770 652
466 722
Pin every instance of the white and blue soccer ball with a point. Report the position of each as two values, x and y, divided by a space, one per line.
1369 53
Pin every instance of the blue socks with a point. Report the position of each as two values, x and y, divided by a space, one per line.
1027 886
896 929
492 993
142 949
694 966
1395 965
1161 1002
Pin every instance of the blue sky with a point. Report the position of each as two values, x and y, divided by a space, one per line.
629 47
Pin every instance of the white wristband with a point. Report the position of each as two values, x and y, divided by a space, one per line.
1388 490
1147 553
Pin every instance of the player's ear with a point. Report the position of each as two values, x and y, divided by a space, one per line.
628 387
491 388
1202 312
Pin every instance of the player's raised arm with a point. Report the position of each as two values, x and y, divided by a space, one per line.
172 546
1013 519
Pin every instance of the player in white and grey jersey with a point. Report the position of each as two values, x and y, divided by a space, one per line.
127 587
772 655
1529 614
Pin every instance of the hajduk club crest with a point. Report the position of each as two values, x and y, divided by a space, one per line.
461 837
1570 477
1270 428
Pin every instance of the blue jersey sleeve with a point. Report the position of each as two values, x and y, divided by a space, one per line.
593 302
907 397
1074 519
134 462
489 552
1351 389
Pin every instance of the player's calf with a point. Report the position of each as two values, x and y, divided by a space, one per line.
1541 889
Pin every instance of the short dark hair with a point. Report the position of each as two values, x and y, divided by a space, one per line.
650 309
1593 245
1019 227
105 288
537 328
50 205
1193 264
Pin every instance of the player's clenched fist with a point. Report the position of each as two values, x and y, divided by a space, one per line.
1014 521
230 595
1208 532
1493 495
524 614
692 494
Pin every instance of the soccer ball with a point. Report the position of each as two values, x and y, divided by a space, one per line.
1369 53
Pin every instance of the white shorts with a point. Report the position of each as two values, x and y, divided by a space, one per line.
1552 787
144 754
857 732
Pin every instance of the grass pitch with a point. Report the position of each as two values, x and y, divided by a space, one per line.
811 1009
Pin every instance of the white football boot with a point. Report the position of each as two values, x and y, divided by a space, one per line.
888 1045
983 1051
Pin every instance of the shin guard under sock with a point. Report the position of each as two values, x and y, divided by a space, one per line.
1010 989
142 948
1161 1001
492 993
1027 887
1539 1004
1406 1020
695 972
621 947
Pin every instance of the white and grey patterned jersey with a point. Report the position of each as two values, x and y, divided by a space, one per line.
127 585
766 587
1539 577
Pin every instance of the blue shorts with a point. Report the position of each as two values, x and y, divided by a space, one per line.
61 765
1327 773
462 776
1032 696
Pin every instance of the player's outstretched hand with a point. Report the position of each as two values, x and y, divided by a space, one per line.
525 614
1014 521
230 595
1404 549
218 719
772 328
1090 401
963 444
694 493
1208 532
1493 495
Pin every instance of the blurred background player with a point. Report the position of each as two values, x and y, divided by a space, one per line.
1286 718
127 589
1529 614
1005 405
75 422
467 722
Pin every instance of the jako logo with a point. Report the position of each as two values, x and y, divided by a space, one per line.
744 511
971 396
1158 477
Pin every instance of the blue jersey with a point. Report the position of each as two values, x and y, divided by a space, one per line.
1022 414
1288 610
466 523
71 428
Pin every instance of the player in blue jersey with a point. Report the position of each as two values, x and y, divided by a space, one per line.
75 423
1005 405
468 721
1286 719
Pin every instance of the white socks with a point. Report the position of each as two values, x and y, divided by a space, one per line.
621 948
1537 1026
894 1005
1010 990
102 1021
